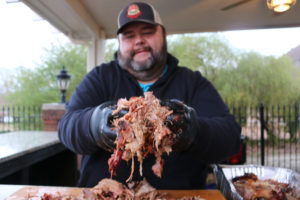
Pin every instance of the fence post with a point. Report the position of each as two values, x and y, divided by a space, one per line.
262 139
51 114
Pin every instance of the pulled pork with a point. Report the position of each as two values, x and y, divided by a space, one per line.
108 189
137 190
140 132
252 188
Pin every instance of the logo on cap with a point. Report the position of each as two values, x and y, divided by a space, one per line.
133 11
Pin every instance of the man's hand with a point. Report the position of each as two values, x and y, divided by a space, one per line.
182 122
101 125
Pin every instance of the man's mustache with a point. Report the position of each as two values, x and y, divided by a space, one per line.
141 49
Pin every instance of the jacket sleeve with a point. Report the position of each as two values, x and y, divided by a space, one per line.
218 132
74 131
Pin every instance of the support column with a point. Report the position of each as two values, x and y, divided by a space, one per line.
96 52
51 114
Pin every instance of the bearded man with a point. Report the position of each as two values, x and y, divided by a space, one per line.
142 64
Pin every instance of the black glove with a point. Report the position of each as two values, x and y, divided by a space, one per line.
101 125
182 122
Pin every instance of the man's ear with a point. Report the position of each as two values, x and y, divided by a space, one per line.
164 32
119 43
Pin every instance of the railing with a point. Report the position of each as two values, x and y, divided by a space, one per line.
15 118
272 132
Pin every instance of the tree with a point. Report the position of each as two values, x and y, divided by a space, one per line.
37 86
208 54
260 78
240 77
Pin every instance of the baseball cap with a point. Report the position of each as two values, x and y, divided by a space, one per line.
138 12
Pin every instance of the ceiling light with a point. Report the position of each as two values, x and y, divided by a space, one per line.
280 5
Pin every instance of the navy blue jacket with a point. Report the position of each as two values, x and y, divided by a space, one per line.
217 139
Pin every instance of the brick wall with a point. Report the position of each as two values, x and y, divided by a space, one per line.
51 114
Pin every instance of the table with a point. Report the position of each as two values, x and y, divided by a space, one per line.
26 153
18 192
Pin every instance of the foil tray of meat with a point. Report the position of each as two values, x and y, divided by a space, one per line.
254 182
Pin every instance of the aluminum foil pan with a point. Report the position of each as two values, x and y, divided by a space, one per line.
224 174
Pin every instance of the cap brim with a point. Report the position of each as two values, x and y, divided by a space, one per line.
136 20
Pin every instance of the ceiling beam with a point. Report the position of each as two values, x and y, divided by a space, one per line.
40 8
85 15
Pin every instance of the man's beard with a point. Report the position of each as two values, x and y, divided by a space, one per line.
149 69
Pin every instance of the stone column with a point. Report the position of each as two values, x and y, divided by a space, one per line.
51 114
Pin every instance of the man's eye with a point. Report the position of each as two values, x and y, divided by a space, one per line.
129 36
148 32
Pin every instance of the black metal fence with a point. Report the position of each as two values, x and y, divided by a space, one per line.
15 118
272 132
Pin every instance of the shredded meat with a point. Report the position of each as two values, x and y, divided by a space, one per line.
108 189
251 188
57 196
136 190
140 132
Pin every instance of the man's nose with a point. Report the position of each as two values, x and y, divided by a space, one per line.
139 40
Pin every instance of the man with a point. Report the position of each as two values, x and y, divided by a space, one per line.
209 135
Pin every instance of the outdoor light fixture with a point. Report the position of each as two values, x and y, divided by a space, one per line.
280 6
63 80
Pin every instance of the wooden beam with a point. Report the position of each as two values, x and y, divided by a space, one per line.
85 15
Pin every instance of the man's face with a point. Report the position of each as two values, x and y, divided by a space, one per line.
142 46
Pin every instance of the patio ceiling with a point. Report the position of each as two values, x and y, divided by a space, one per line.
93 20
84 19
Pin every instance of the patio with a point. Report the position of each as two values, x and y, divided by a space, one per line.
272 140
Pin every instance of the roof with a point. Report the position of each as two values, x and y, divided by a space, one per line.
83 20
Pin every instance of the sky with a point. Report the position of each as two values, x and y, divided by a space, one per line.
265 41
24 37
